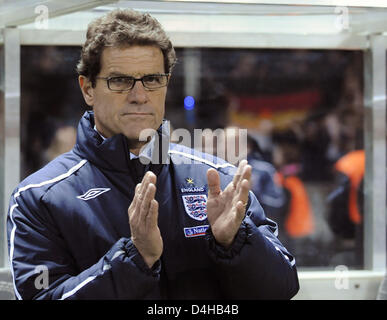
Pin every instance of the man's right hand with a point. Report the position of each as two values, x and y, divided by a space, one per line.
143 215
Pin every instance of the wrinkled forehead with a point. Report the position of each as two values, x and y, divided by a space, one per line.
134 60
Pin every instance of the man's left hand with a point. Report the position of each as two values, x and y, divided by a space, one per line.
226 209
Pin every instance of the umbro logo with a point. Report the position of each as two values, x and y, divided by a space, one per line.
93 193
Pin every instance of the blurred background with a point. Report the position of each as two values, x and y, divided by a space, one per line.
307 82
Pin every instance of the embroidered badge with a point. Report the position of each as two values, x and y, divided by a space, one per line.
190 187
196 206
189 180
195 231
193 189
93 193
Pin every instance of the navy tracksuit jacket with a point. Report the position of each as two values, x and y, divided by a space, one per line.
69 222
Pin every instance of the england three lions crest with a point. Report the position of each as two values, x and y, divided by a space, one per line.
196 206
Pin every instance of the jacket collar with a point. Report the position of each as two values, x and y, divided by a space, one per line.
113 153
146 150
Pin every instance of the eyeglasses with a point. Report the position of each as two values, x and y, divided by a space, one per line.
126 83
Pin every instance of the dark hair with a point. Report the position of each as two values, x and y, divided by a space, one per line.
122 28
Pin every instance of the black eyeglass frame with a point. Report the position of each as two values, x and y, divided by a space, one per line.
135 80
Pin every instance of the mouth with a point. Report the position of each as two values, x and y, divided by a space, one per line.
137 114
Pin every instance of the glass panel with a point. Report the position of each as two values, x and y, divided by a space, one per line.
303 110
2 155
51 104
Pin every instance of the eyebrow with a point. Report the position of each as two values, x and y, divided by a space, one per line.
119 74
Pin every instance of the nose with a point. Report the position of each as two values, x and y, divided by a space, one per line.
138 94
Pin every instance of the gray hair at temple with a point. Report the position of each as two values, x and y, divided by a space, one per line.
121 28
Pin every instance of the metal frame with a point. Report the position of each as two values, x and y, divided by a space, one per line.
352 3
375 147
3 241
205 39
15 14
364 284
10 124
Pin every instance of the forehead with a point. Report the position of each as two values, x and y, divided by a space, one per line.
132 60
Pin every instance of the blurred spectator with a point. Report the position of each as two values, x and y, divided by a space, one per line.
298 224
234 144
299 220
314 149
264 182
335 147
346 201
345 204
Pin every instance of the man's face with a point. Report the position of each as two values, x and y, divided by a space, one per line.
131 111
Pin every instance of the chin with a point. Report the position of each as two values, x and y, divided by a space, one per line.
140 135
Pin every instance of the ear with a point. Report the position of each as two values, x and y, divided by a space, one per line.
87 90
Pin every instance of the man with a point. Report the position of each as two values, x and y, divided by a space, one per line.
96 227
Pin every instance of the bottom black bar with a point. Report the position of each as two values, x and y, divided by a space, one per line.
158 310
